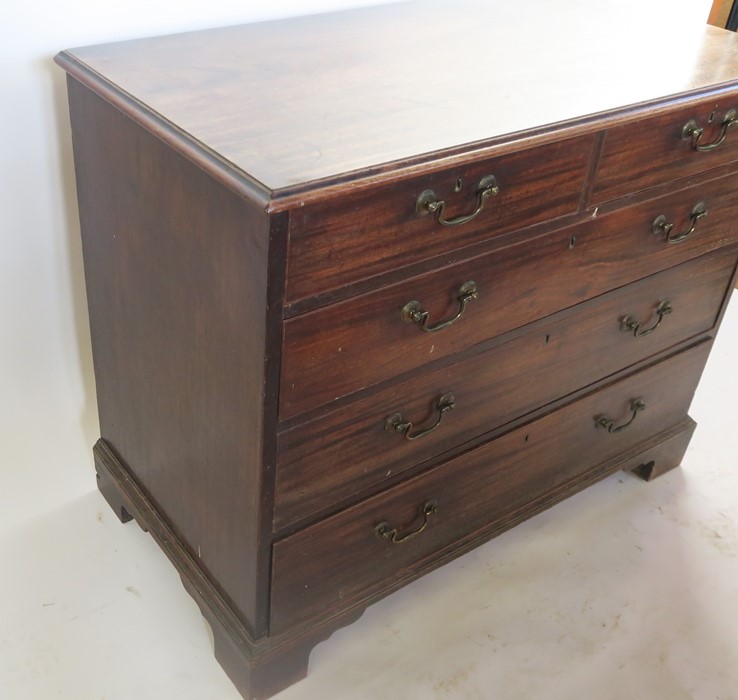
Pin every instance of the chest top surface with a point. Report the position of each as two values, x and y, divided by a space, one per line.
299 103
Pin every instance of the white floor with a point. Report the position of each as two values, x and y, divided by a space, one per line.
627 591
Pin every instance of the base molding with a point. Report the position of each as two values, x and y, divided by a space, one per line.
667 455
259 668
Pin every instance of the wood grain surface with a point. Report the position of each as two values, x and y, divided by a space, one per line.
309 99
472 491
339 241
491 388
248 200
355 344
166 252
635 159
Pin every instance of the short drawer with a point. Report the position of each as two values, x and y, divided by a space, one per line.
335 243
329 459
667 147
337 561
339 349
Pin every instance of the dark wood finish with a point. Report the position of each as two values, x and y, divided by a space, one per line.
635 159
488 483
340 241
355 344
495 243
243 387
109 479
258 668
299 103
568 352
166 252
261 669
666 456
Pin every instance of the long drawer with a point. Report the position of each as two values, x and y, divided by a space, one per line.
491 388
469 493
337 242
345 347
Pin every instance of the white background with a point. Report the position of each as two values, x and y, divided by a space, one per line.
75 636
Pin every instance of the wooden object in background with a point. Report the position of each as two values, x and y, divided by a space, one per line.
360 300
719 12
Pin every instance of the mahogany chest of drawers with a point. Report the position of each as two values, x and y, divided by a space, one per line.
364 294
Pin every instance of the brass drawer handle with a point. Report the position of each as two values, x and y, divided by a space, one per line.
396 424
636 406
392 534
428 203
631 324
692 132
412 313
660 225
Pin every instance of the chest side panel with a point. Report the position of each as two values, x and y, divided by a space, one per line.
176 274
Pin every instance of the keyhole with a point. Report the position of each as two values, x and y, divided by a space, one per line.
459 184
572 242
548 337
525 439
711 118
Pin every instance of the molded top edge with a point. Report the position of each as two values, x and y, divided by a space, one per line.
291 110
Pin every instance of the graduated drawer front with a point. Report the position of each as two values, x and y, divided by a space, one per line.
354 344
653 151
339 242
327 460
472 492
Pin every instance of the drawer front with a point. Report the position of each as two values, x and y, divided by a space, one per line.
327 460
359 342
657 150
335 243
325 567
